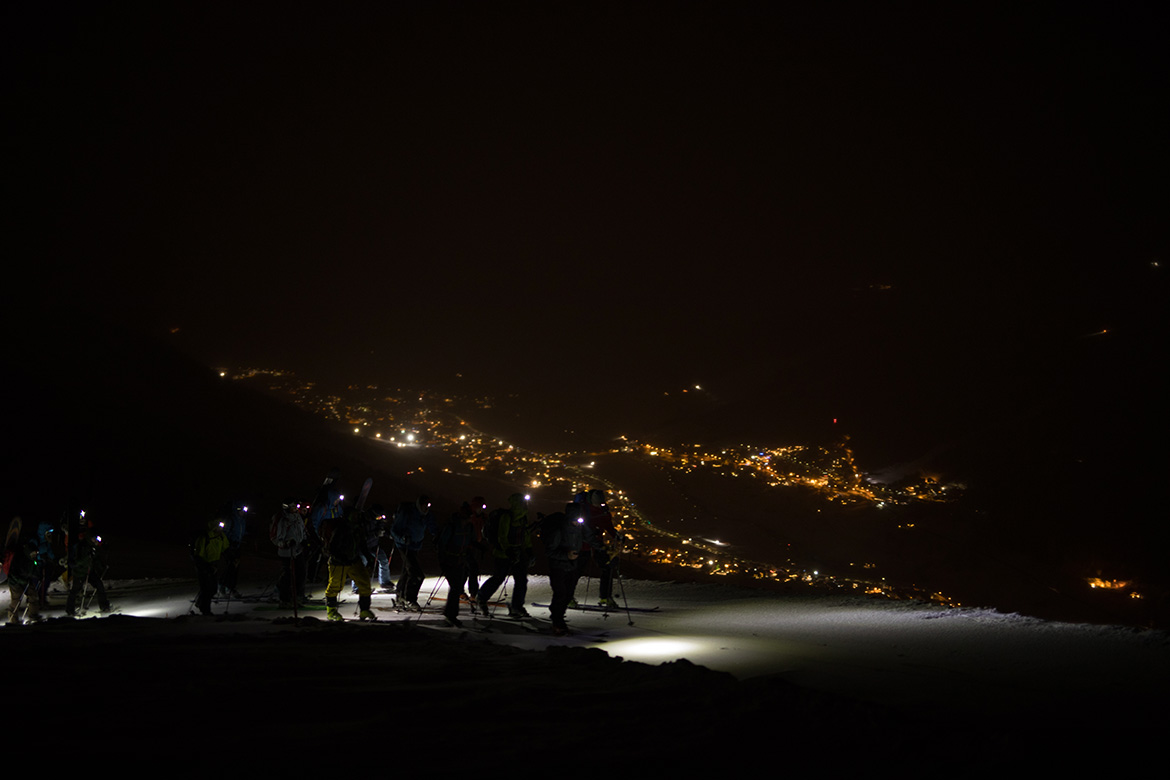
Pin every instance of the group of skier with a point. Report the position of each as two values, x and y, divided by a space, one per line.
357 544
503 544
354 543
37 556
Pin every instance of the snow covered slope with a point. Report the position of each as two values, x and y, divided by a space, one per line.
713 669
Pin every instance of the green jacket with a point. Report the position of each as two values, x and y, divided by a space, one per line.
514 534
210 546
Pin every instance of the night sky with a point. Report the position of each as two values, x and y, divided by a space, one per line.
876 204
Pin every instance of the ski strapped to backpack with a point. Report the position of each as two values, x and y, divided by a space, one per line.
11 544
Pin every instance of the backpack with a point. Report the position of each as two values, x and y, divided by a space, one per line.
491 528
193 543
546 525
342 539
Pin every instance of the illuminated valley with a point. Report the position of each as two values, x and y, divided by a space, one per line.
408 418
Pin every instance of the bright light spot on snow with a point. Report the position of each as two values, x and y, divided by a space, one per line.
659 650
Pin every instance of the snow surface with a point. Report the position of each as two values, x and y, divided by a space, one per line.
715 672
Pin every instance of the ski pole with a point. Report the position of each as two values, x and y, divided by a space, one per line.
389 560
85 594
434 590
271 586
504 590
622 584
228 604
293 590
589 562
14 610
430 598
491 610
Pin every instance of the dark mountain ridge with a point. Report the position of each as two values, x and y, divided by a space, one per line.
146 439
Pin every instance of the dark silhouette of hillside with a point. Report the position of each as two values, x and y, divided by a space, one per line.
149 441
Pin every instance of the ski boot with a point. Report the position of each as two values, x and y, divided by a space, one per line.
367 615
331 613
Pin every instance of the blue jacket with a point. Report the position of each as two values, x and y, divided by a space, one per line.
411 526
